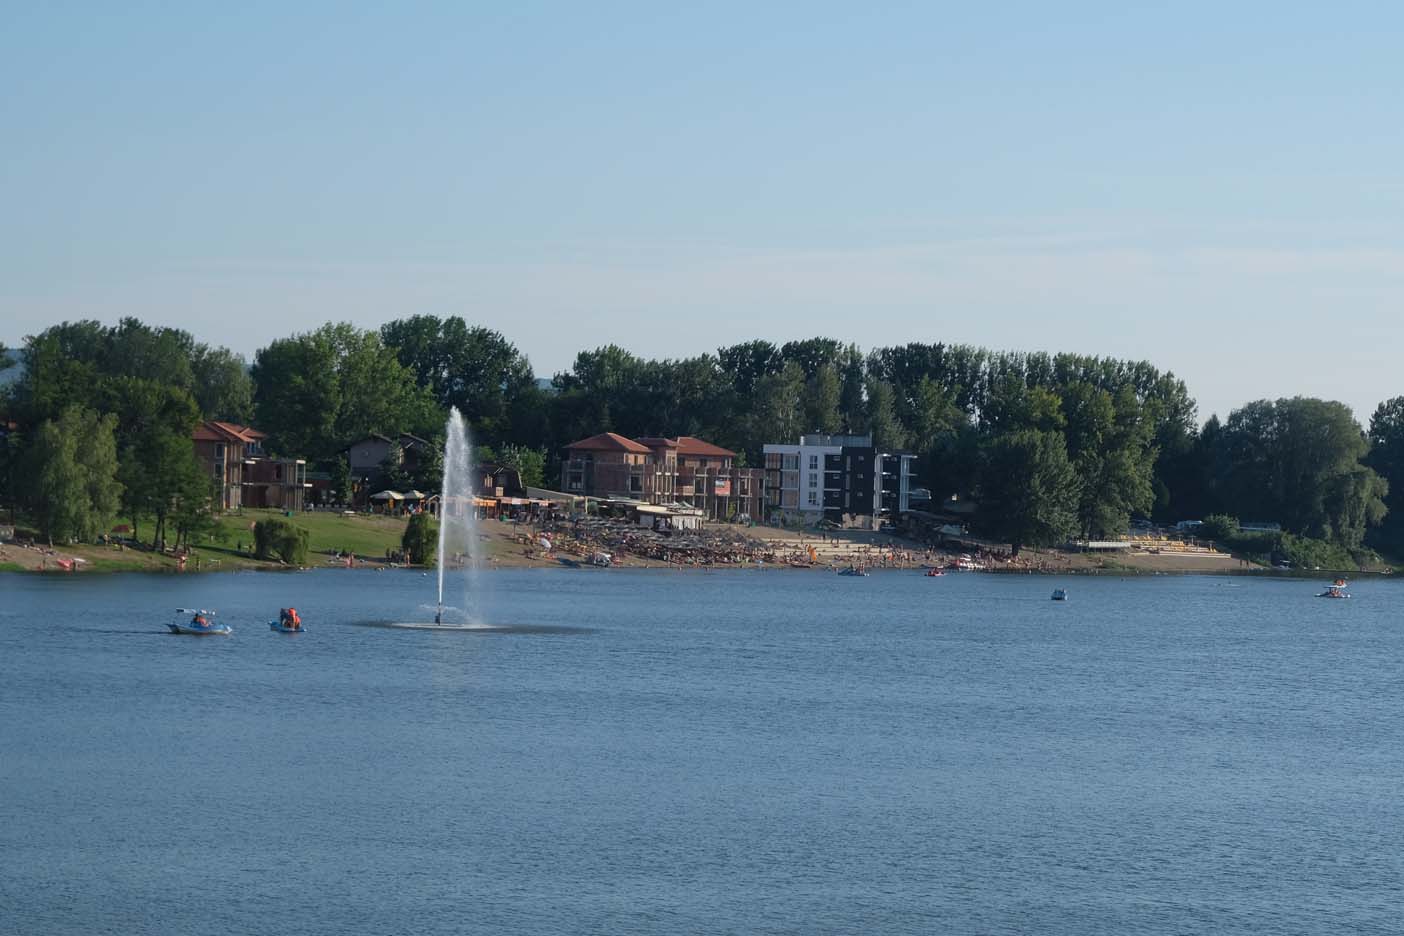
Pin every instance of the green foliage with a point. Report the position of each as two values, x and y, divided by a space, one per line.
393 465
317 392
281 539
529 463
420 539
340 471
1028 491
1219 528
471 368
1386 434
1298 462
72 468
161 475
820 400
222 386
888 432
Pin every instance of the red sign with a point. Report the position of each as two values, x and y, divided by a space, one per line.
721 487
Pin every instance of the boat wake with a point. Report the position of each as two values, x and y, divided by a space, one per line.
474 628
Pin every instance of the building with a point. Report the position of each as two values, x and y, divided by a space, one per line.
685 471
366 458
233 456
840 478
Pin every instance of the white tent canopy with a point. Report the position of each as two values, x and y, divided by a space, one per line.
388 496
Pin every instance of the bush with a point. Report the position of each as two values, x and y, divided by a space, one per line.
1218 527
281 539
420 539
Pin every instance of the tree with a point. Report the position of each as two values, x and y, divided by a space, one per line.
1386 457
428 474
821 400
777 412
811 354
72 467
420 539
341 479
882 416
1298 461
160 473
315 393
393 466
853 416
474 369
192 512
222 387
1109 443
530 464
1028 491
744 365
281 539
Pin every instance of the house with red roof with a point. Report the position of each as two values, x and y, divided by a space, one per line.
663 471
244 475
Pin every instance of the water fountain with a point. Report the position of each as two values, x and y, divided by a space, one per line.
457 519
458 536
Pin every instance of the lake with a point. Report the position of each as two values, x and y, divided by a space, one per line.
738 752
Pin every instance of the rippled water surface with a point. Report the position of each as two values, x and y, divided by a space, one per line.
655 752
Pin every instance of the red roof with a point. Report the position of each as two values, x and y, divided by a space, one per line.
215 431
656 442
690 445
608 442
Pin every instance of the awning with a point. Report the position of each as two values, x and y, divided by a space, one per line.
388 496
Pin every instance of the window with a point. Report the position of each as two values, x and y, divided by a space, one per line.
814 480
813 462
790 462
814 498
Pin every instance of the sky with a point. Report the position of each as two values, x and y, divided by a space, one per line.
1216 188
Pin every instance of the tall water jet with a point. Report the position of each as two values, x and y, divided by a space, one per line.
458 535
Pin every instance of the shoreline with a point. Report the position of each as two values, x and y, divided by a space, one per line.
562 567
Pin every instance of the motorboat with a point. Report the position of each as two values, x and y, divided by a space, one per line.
1060 594
1336 589
935 573
200 624
854 570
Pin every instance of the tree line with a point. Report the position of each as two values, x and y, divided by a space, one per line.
1048 446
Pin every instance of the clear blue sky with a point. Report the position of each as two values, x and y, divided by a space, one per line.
1214 187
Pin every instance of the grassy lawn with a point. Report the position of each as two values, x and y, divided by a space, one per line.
363 534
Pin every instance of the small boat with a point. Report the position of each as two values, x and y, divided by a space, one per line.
289 622
1336 589
1060 594
854 570
934 573
200 624
282 628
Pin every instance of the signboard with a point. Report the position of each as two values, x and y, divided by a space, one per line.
721 487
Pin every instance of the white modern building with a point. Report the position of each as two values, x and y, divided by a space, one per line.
841 478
